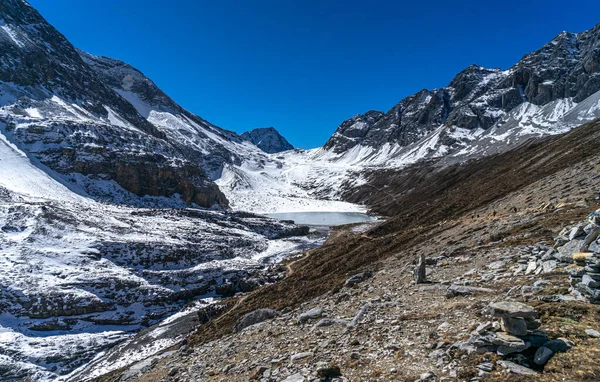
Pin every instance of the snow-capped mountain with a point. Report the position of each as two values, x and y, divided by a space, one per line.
58 109
483 110
78 275
268 140
80 137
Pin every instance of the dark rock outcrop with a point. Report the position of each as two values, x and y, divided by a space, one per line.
268 140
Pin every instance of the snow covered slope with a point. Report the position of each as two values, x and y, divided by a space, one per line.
78 276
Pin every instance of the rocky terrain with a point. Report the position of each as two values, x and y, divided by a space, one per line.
127 255
504 296
484 110
79 276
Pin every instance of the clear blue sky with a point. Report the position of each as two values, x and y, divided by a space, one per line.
305 66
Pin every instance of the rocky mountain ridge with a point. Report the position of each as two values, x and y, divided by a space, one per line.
267 139
478 100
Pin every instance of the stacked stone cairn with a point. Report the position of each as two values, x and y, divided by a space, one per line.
515 333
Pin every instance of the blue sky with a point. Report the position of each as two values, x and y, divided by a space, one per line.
306 66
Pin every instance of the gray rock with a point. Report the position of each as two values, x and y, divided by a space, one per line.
506 340
549 266
565 253
592 333
558 345
255 317
531 267
481 328
462 290
294 378
310 314
329 322
516 368
512 309
300 356
542 356
420 272
487 366
514 325
590 282
576 232
357 278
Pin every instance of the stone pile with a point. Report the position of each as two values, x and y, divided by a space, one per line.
537 259
585 275
515 332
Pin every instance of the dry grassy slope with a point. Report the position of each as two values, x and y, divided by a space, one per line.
418 199
444 210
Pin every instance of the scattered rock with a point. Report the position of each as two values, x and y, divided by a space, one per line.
357 278
462 290
294 378
258 372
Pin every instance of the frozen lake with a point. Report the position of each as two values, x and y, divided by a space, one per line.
322 218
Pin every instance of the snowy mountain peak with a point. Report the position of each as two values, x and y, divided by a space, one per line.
566 68
267 139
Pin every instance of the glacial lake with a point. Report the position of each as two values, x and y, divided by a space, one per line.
326 219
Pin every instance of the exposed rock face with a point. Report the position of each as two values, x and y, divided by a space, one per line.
565 68
65 111
268 140
199 140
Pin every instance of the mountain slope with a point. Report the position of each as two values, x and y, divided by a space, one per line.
268 140
483 103
79 276
54 106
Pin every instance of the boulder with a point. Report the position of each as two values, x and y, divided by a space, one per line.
310 314
558 345
357 278
255 317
